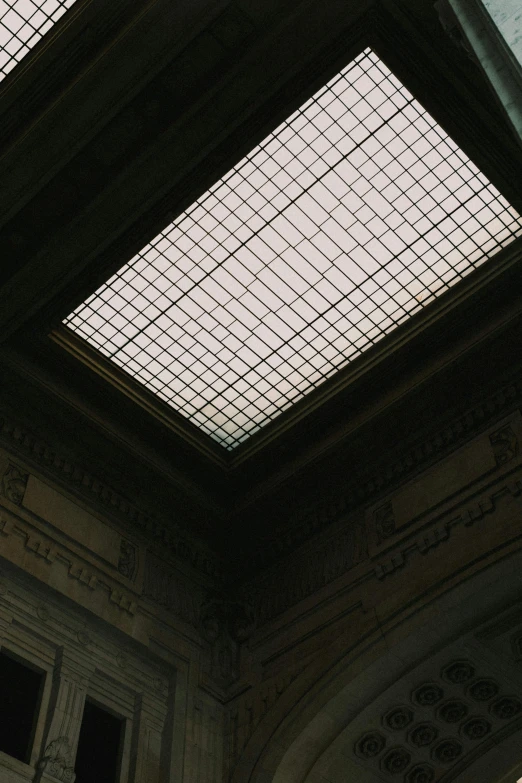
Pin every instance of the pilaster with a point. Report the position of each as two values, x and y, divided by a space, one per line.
70 681
149 719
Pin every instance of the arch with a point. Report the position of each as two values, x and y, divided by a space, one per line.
331 695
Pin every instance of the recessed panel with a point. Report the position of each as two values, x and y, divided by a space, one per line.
354 214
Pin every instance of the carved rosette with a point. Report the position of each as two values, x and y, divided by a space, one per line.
447 751
370 745
458 672
422 735
506 707
398 718
452 711
483 689
428 695
395 761
420 773
476 728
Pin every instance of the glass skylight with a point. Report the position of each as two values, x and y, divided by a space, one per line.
22 24
351 216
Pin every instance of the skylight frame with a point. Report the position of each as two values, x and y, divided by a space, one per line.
23 24
251 436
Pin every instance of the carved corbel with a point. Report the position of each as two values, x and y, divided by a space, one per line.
56 761
14 483
70 680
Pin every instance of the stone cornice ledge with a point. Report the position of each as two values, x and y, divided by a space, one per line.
94 490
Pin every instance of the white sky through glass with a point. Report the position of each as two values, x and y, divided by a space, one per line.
351 216
22 24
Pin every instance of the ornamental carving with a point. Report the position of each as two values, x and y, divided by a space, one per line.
310 572
420 773
398 718
447 751
505 444
428 695
384 522
506 707
452 711
57 760
422 735
483 689
14 483
395 761
476 728
517 647
166 587
370 745
225 624
458 672
128 562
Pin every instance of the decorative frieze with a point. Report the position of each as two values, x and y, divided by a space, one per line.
94 489
309 571
172 590
442 530
305 515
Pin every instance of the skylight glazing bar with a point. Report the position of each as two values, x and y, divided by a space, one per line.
354 214
22 24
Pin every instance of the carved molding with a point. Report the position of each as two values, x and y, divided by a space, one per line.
309 515
51 553
246 714
92 488
441 532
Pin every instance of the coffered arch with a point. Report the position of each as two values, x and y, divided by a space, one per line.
433 697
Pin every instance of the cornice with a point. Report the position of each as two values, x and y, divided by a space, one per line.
94 489
309 517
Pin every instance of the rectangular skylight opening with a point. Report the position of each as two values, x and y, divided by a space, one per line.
353 215
22 24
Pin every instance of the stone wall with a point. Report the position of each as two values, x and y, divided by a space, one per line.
355 591
105 613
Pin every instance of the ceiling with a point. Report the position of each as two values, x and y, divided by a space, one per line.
111 128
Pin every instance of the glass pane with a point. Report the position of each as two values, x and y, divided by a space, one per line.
22 24
354 214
